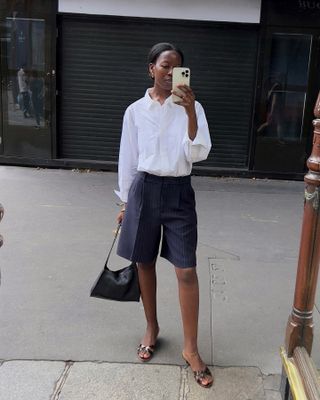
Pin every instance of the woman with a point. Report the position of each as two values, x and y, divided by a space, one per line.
160 141
36 87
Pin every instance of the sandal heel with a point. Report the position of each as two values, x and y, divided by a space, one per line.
186 362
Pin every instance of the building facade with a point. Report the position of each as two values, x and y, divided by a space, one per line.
70 68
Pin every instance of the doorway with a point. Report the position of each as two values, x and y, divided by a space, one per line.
28 78
284 113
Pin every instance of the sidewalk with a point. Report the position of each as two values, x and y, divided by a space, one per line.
57 229
54 380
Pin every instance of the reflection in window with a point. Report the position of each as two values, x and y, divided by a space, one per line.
289 61
286 86
25 63
284 115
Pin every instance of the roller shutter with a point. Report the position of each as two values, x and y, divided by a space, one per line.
103 69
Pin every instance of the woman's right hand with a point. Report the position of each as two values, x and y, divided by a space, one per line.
120 217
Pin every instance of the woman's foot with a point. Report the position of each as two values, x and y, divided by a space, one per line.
201 372
147 346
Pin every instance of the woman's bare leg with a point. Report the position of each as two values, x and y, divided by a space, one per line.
148 287
189 304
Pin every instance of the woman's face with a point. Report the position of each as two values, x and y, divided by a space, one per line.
161 70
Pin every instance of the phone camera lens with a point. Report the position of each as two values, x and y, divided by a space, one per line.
183 73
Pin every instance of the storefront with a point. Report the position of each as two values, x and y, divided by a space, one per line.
27 130
288 84
69 69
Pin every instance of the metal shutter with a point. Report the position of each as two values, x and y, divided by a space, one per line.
103 69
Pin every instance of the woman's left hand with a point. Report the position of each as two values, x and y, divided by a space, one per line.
187 97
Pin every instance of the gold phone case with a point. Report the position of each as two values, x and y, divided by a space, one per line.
180 75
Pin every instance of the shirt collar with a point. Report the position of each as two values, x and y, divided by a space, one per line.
151 103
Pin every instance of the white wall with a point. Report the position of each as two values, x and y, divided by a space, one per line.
212 10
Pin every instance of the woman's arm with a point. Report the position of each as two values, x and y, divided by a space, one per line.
197 143
128 155
188 102
192 123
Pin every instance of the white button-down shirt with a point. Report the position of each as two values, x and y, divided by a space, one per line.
155 140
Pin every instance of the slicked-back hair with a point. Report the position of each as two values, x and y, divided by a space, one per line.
159 48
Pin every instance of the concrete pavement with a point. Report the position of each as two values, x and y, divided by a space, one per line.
55 380
57 229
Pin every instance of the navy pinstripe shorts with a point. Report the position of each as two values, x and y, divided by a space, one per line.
160 207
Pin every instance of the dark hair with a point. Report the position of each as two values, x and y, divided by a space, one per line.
159 48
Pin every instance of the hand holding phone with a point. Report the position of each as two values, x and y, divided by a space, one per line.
180 76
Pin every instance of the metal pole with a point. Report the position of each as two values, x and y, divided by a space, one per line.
300 324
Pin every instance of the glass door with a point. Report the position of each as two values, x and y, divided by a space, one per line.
283 129
1 113
28 78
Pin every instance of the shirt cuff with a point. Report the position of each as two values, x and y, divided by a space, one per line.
197 149
122 196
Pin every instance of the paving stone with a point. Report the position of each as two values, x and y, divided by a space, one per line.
121 382
230 384
29 380
272 381
272 395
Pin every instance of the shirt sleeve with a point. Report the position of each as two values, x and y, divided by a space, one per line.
128 155
198 149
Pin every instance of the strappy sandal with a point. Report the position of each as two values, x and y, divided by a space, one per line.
145 353
200 376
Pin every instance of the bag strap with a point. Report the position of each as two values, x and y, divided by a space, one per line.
114 240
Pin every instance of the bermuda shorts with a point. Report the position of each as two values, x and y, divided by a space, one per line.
160 210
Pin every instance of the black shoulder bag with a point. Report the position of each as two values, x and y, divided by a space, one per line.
120 285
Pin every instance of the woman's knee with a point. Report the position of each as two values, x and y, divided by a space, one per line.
187 276
147 266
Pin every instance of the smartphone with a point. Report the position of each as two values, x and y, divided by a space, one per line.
180 75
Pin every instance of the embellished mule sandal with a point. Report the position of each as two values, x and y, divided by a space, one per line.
145 353
200 376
